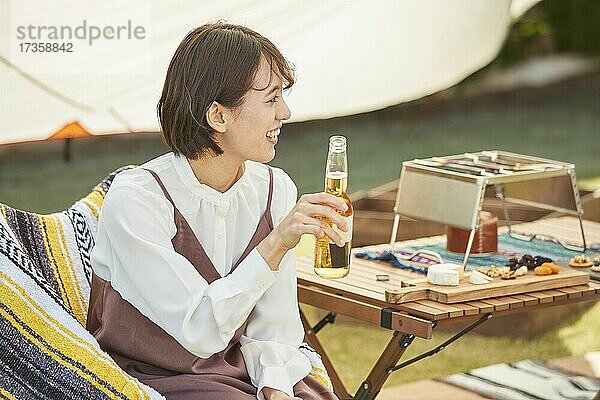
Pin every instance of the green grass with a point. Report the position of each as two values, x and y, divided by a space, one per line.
34 177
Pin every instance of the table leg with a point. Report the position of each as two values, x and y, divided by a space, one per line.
394 350
311 338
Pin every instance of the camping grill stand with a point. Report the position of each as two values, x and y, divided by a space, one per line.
450 190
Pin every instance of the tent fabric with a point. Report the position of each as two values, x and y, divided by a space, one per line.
350 56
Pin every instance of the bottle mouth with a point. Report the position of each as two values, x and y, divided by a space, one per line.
337 143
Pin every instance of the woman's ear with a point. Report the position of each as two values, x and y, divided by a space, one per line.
215 116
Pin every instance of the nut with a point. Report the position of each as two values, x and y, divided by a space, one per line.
521 271
509 275
581 259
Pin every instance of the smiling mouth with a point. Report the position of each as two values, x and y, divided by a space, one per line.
273 134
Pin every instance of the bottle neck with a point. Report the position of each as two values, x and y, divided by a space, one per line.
336 172
337 162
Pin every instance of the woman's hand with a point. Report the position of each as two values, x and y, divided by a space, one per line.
304 218
273 394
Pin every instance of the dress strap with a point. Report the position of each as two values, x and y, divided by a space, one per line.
270 189
162 186
265 225
186 243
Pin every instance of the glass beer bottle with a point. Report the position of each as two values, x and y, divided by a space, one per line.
332 261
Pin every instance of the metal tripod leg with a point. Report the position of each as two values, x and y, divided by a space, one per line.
529 237
578 205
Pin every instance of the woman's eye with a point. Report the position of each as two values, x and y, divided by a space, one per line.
274 99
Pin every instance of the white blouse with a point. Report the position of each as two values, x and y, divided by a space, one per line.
134 252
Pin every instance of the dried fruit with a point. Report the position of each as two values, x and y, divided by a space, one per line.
542 270
553 267
530 261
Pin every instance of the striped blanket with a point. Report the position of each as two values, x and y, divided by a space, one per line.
45 351
45 275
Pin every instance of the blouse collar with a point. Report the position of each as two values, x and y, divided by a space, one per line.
186 174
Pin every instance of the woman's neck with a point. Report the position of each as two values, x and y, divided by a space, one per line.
220 173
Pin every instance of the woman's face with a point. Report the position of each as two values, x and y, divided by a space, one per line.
252 129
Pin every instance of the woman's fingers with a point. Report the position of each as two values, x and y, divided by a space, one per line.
325 198
333 235
318 210
320 228
309 216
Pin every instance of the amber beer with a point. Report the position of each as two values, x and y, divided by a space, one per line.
332 261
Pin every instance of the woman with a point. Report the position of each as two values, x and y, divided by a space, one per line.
194 287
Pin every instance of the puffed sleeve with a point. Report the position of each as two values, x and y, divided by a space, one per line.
274 331
134 251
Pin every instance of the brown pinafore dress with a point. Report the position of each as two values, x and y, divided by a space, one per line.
147 352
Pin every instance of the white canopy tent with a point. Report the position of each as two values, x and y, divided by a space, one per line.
350 56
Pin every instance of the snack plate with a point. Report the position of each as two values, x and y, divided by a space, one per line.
581 265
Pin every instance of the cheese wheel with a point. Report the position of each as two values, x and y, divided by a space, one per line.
445 274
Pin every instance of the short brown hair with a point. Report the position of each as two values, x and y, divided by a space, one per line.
214 62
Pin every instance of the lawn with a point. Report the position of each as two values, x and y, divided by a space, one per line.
557 123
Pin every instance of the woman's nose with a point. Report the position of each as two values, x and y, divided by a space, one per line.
283 112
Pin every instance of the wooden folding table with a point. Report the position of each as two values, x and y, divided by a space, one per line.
362 297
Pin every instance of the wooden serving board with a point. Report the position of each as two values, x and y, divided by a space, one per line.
420 289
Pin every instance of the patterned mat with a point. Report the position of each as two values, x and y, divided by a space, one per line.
508 247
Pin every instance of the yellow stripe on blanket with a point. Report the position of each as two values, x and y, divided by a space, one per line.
94 201
53 323
78 303
53 343
6 394
62 266
51 320
320 375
